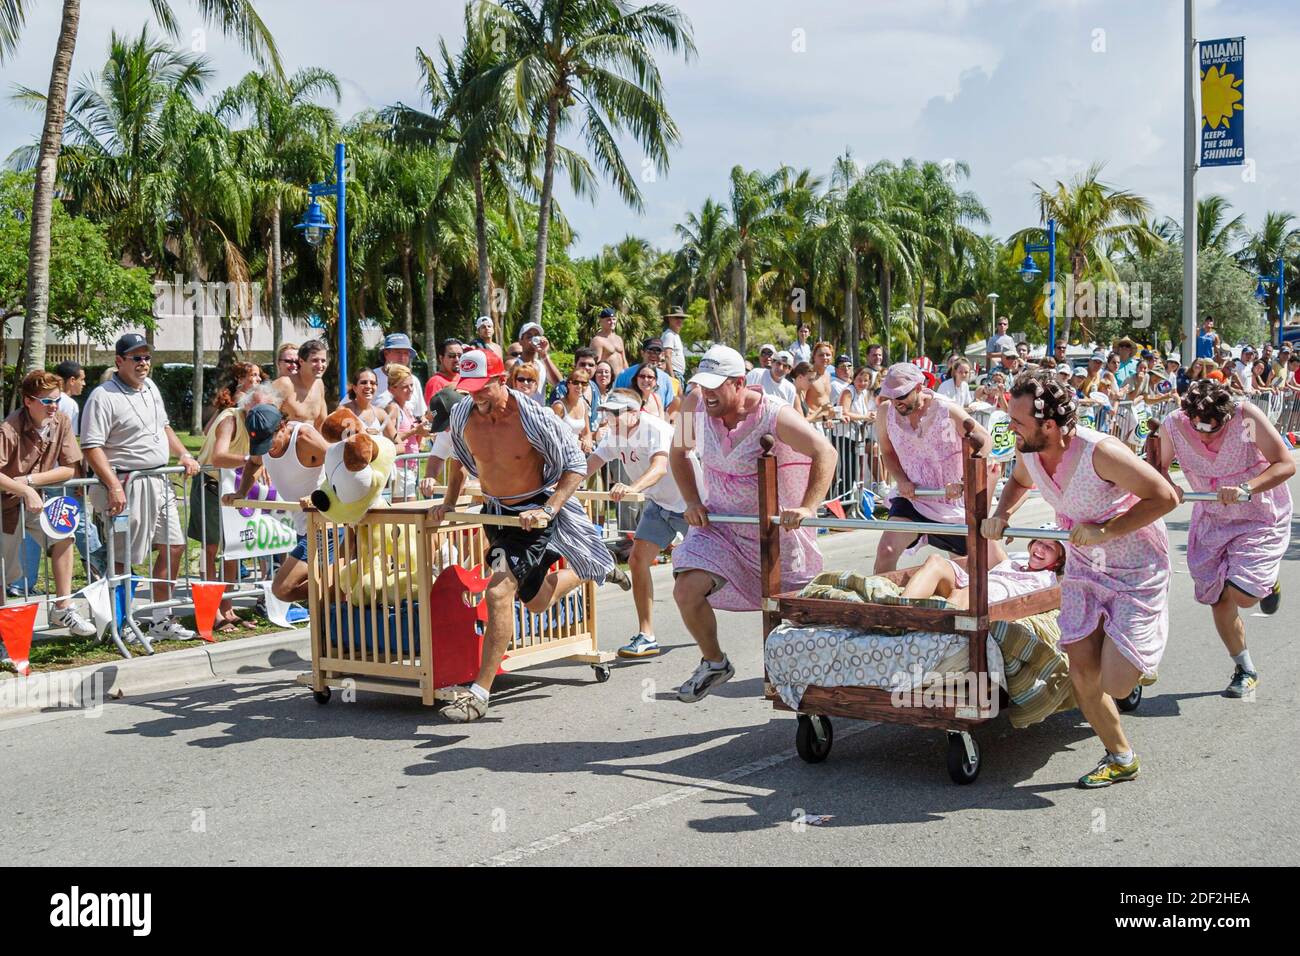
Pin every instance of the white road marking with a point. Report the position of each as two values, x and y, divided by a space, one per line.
631 813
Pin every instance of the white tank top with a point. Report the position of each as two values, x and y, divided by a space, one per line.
291 478
578 423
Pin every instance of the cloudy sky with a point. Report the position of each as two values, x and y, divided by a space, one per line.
1023 90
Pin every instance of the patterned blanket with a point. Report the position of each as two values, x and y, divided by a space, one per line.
1023 655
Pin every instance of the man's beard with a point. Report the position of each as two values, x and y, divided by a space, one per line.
1031 444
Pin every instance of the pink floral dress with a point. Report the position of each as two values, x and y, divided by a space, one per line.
729 463
1242 543
931 456
1122 585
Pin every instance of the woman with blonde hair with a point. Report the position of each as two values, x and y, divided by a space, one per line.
408 430
524 378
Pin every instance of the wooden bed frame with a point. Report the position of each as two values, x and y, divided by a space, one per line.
954 715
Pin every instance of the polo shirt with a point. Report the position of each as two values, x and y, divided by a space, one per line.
128 424
26 450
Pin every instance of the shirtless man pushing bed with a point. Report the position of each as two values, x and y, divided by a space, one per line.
529 464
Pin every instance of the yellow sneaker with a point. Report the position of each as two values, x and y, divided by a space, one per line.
1108 772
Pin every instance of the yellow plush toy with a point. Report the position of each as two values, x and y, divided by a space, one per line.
356 469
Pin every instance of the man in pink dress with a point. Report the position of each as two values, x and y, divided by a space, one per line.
1235 545
1115 592
921 444
717 565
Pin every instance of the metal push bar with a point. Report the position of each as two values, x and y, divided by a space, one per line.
916 527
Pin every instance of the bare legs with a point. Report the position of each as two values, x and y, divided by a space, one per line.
639 563
501 593
691 592
1227 620
1100 674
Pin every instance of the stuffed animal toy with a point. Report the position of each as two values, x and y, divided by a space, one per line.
356 470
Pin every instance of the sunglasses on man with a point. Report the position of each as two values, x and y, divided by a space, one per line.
140 359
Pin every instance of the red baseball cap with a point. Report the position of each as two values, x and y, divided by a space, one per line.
477 367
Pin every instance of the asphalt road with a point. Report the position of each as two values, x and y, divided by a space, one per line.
565 771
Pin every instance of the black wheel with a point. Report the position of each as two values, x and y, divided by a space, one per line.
601 671
322 696
1131 701
961 767
806 743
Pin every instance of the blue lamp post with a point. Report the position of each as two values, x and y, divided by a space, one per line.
1261 294
314 225
1030 272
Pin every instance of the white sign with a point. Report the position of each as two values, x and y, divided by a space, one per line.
251 532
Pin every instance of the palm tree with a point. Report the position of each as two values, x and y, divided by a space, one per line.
1275 239
114 137
1090 217
704 253
592 57
232 17
941 232
756 226
283 147
1212 231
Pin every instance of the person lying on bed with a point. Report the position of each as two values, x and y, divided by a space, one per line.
946 577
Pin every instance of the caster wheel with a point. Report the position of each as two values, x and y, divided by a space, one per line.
806 743
961 767
601 671
1131 701
322 696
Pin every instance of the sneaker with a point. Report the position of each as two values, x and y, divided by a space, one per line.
77 625
642 645
1243 683
465 708
704 680
1108 772
1270 604
618 576
169 630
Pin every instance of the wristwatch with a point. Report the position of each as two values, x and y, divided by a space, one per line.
1246 493
550 512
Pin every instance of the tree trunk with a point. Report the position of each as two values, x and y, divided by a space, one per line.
47 165
481 245
196 408
920 319
850 310
408 297
277 287
740 291
715 321
1063 326
886 319
544 214
430 332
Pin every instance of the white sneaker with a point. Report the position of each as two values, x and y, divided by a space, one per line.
77 625
702 683
169 630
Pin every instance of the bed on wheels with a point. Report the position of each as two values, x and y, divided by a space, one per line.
930 632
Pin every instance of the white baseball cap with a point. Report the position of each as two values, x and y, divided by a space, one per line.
530 325
482 321
719 364
766 348
784 357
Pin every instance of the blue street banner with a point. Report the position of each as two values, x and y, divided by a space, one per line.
1223 110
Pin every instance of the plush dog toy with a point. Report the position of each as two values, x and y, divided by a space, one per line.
356 469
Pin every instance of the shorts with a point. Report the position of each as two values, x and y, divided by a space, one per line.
526 554
904 509
659 526
300 549
14 544
154 516
205 509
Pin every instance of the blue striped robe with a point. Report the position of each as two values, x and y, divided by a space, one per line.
575 537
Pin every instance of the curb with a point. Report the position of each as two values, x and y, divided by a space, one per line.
85 687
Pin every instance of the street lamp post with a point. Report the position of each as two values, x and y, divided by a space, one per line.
993 314
1029 271
1261 294
314 225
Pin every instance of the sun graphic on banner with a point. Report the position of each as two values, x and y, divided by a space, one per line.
1220 96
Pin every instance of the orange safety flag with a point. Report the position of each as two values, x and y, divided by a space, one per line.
17 623
835 507
207 598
